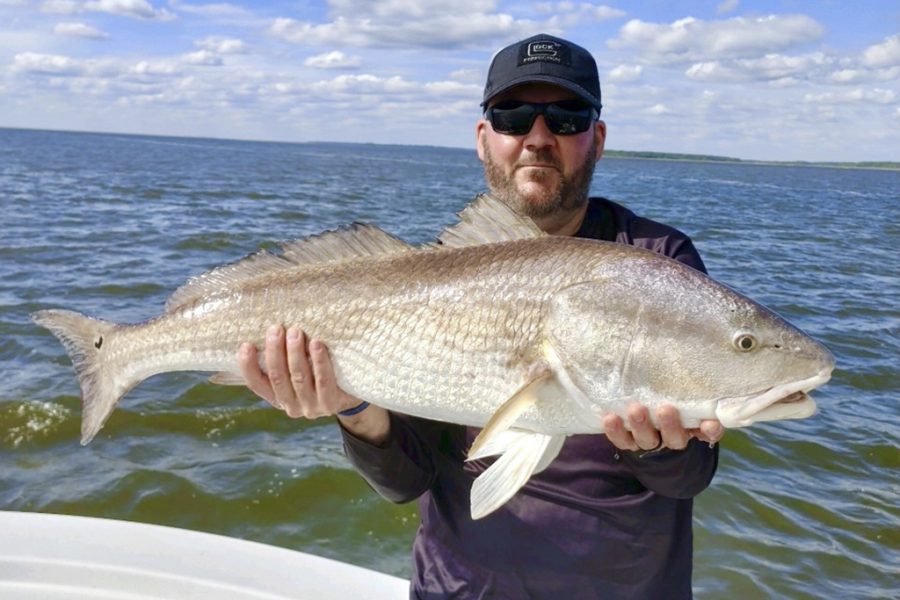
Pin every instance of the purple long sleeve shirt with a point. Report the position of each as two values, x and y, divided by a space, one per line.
597 523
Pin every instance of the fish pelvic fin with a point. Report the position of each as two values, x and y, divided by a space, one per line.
87 343
525 453
508 413
488 220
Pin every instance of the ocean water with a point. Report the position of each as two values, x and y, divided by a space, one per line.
110 225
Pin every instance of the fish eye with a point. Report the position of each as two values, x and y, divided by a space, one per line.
744 342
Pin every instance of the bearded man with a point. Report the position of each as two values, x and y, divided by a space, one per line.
611 516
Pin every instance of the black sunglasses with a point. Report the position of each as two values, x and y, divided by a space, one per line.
565 117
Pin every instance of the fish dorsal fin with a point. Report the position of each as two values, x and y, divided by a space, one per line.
488 220
353 241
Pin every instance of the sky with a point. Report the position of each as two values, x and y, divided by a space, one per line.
814 80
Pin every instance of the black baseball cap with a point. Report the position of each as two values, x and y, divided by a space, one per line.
547 59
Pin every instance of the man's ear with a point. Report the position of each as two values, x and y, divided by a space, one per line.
479 138
600 136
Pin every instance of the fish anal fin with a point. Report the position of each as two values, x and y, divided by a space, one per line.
487 220
528 453
511 410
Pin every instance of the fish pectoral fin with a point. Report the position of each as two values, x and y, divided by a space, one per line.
228 378
527 453
509 412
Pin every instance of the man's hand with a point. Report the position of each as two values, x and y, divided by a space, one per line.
299 379
671 434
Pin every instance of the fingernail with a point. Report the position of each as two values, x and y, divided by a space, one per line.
315 346
273 332
293 335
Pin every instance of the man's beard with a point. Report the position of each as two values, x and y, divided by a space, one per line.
570 193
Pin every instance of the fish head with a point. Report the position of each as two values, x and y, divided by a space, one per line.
652 330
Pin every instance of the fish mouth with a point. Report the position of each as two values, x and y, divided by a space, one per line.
785 401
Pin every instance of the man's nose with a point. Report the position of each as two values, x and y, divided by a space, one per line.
540 135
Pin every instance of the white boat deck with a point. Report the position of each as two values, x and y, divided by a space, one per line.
56 557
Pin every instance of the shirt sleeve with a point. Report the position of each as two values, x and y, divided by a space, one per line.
675 473
402 469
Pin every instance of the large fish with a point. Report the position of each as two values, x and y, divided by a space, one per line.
533 337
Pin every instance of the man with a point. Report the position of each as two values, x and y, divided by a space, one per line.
611 516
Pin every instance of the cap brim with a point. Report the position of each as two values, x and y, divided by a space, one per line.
557 81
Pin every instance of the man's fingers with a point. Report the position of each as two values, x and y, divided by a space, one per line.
257 381
614 429
323 372
673 433
643 431
301 377
277 367
710 431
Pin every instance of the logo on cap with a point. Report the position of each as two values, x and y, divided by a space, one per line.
544 51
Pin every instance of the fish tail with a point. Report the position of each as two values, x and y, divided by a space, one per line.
86 340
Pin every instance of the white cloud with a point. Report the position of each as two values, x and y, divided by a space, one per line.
659 109
624 73
411 9
434 31
468 76
454 88
221 45
138 9
885 54
51 64
203 58
395 90
79 30
408 23
875 95
333 60
695 40
602 13
364 84
220 9
770 67
146 67
848 75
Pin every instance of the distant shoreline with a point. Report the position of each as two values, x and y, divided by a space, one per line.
869 165
623 154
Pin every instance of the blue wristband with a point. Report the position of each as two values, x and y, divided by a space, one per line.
355 410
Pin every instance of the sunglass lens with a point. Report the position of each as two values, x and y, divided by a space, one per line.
513 118
568 119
